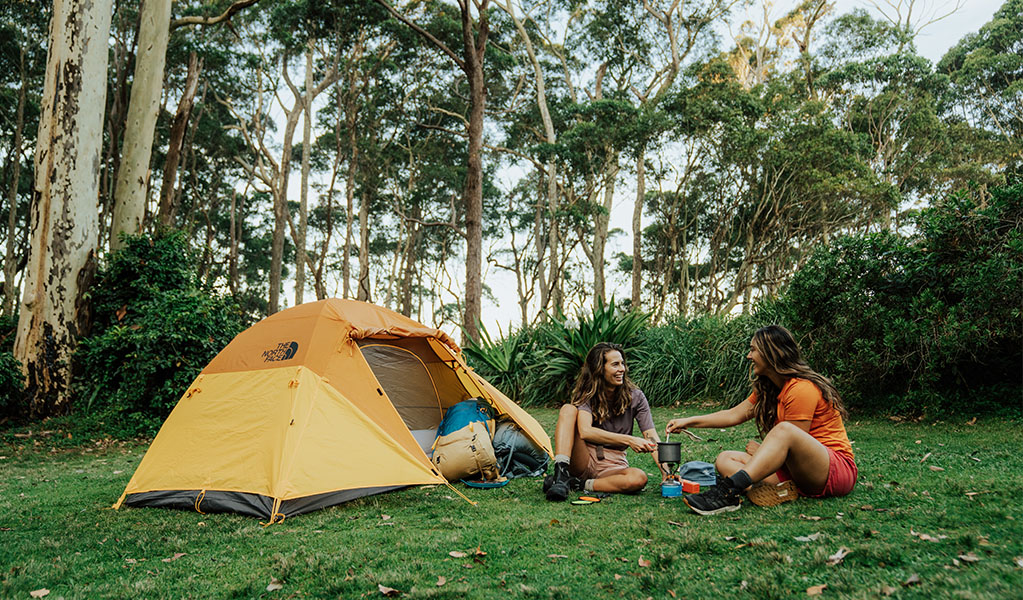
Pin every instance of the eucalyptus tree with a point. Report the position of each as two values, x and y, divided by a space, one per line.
22 67
474 34
889 95
986 99
64 220
132 174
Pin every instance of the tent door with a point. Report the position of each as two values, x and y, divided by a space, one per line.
411 389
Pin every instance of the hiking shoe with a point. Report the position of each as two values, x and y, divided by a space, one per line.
718 499
766 494
557 485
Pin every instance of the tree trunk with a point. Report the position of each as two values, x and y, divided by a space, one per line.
637 233
303 203
601 222
143 108
232 255
64 223
475 49
168 206
550 137
11 261
363 287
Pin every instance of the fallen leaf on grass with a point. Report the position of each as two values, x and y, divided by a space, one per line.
130 561
385 517
816 590
39 593
928 538
617 577
676 524
176 556
969 557
926 456
441 580
643 562
887 590
1019 561
389 592
813 537
837 557
557 556
479 552
913 579
275 584
809 517
457 554
935 468
743 584
672 593
972 421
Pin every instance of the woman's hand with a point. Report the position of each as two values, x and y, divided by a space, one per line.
641 445
751 447
676 425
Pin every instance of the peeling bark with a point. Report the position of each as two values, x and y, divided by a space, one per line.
64 222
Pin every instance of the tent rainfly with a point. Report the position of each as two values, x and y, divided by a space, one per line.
313 406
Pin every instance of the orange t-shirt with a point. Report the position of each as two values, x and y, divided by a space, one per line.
801 400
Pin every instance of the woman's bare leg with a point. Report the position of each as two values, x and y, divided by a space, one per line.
626 481
568 442
806 459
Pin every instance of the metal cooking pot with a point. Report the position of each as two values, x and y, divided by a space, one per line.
669 452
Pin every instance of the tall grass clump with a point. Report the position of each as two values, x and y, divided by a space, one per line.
699 360
559 346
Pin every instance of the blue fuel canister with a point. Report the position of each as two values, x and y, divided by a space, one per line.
671 489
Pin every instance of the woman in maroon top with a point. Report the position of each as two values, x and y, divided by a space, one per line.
595 429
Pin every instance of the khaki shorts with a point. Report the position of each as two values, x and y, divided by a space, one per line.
604 461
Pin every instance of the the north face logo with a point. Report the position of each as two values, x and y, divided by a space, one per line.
283 351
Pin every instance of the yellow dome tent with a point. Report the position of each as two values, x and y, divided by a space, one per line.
313 406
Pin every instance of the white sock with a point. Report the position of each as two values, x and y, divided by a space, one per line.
588 486
562 458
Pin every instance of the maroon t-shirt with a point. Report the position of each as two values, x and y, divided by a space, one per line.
638 410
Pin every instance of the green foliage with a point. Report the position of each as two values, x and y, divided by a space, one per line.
507 363
703 359
162 332
926 324
12 382
565 343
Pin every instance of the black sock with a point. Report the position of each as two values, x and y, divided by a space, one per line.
740 481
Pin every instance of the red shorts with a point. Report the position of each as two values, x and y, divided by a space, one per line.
842 474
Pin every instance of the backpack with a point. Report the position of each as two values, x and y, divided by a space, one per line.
517 455
463 448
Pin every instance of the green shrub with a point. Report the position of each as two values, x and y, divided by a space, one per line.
925 324
12 382
157 337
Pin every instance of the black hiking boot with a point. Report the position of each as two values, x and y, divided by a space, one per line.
718 499
557 485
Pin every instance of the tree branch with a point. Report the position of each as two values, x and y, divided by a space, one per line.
226 15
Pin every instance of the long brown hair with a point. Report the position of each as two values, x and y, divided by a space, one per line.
590 385
779 350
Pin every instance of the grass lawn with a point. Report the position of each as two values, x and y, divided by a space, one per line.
936 514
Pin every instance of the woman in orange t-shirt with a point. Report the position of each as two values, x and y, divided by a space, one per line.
805 449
